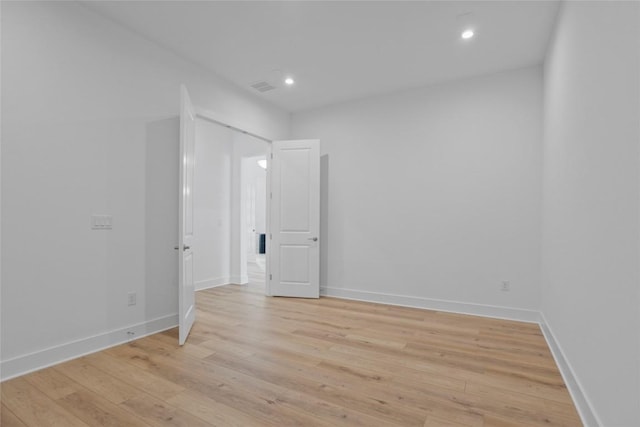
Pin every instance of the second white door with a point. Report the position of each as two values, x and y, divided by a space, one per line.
293 245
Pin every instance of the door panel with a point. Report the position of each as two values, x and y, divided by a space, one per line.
294 203
294 264
186 288
294 253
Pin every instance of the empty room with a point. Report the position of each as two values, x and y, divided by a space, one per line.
320 213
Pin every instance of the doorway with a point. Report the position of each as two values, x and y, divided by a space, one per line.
292 210
229 197
254 218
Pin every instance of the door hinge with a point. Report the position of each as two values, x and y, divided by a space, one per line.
270 277
270 236
272 155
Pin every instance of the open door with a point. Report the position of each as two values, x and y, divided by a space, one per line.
294 219
186 292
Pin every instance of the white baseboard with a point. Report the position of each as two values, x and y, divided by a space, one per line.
21 365
497 312
239 280
212 283
580 399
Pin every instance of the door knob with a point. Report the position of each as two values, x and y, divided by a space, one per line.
315 239
184 249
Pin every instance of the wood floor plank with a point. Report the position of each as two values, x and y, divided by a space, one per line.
215 413
141 379
157 412
171 345
52 383
541 404
201 377
311 382
34 408
252 360
98 381
9 419
98 411
433 421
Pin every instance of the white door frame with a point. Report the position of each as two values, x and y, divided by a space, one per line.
218 119
186 292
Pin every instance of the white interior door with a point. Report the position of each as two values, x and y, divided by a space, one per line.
187 297
294 217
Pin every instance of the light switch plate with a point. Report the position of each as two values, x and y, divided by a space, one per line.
101 222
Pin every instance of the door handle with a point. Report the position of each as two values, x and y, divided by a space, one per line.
184 249
315 239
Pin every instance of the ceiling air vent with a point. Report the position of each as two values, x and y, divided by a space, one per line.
262 86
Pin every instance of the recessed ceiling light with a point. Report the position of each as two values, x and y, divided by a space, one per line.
289 81
467 34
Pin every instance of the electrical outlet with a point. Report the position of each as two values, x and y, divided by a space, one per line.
506 286
131 298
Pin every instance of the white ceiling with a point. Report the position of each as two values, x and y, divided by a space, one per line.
338 51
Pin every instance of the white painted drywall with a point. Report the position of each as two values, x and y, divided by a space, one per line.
161 214
591 202
88 127
212 204
436 192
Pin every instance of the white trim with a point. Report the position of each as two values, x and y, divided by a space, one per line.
239 280
267 243
496 312
576 390
37 360
223 121
212 282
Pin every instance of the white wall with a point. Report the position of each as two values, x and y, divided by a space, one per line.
591 203
212 205
89 126
434 193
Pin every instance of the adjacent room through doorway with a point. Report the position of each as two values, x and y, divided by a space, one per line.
229 195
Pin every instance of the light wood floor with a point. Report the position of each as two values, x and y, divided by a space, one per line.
252 360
